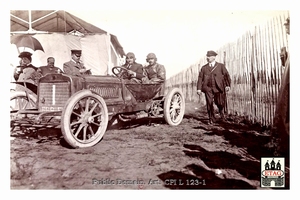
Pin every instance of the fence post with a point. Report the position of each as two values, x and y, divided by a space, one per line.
225 106
253 84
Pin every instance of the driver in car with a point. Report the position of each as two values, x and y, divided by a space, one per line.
134 71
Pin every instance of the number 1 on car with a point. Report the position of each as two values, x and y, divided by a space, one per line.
53 94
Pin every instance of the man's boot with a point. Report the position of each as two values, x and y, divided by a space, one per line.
222 115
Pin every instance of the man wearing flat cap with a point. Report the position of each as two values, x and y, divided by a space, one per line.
134 70
154 72
26 72
75 66
214 81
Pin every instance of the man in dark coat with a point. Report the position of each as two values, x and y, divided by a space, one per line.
154 72
26 72
214 81
50 68
75 66
135 70
281 121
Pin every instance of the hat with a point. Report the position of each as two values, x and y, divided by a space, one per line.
211 53
130 55
76 52
25 54
151 55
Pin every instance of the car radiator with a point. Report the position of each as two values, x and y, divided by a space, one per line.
53 96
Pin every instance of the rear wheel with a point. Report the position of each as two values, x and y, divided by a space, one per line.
19 100
174 107
84 119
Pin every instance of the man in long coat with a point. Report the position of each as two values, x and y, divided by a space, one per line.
214 81
281 122
26 72
75 66
49 68
134 71
155 73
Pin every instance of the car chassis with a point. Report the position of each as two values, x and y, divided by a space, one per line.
83 106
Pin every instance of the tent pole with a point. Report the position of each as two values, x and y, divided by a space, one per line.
112 46
117 55
29 20
22 20
109 55
44 16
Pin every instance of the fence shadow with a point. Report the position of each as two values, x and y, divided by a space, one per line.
224 160
257 145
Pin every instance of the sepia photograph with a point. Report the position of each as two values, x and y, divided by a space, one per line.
149 99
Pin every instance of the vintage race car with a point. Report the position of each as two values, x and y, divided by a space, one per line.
83 106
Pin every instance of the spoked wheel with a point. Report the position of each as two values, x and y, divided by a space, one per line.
174 107
84 119
20 101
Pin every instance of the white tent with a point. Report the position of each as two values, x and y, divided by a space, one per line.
59 32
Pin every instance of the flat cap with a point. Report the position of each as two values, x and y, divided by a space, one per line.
151 55
211 53
130 55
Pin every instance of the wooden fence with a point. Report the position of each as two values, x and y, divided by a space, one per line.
254 64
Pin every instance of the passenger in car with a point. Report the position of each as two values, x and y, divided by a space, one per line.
134 71
154 72
26 72
49 68
75 65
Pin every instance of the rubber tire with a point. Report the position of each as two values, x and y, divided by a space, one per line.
66 114
167 105
15 94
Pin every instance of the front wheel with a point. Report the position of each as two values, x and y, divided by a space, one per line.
174 107
84 119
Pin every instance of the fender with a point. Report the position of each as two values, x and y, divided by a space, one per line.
29 86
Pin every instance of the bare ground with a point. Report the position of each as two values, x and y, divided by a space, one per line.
147 155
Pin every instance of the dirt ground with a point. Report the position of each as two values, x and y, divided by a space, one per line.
147 155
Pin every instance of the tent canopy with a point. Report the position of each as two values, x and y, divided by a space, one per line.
59 32
95 51
59 21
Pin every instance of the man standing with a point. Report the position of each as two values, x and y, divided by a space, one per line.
75 66
281 121
50 68
135 70
214 81
26 72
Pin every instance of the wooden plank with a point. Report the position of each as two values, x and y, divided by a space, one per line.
260 71
254 60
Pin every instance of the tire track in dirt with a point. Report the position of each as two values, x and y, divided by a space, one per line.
143 156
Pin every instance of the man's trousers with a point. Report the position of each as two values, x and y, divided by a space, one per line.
219 99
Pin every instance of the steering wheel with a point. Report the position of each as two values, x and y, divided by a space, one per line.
117 71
